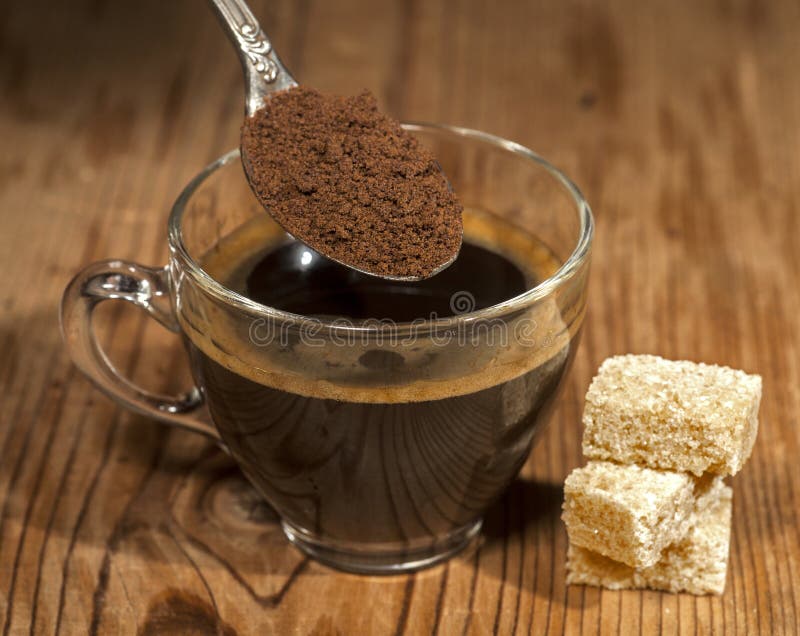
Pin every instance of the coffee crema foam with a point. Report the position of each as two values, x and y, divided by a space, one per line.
338 372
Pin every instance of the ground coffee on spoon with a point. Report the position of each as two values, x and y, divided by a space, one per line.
349 182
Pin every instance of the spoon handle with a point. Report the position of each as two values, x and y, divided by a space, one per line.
263 71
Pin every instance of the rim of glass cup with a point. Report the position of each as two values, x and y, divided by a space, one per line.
579 254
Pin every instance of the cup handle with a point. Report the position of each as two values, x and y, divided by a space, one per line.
147 288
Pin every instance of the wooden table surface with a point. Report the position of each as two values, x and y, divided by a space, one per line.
679 120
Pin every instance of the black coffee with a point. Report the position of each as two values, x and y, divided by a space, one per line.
295 279
413 460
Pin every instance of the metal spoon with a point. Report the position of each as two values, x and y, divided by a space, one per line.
265 74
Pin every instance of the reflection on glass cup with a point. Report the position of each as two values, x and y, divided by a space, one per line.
380 420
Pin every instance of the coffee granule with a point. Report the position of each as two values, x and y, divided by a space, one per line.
349 182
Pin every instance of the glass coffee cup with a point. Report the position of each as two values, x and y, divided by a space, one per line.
380 420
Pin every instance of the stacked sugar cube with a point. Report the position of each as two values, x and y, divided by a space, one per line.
650 509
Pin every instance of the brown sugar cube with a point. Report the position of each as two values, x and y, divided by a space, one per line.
628 513
697 563
672 415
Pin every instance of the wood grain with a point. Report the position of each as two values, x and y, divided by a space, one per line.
680 121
